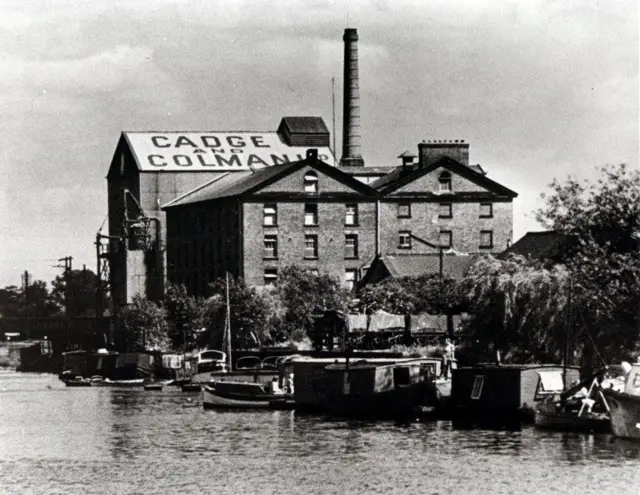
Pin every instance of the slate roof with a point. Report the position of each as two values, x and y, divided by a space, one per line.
405 174
543 245
238 183
407 265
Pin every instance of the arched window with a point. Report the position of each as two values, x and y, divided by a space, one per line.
445 182
311 182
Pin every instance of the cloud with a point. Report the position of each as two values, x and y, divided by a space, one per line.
539 88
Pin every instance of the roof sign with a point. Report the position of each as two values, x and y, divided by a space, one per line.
214 151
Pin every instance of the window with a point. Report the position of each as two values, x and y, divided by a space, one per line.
404 210
270 246
270 216
445 210
486 210
486 238
310 246
311 182
351 214
270 275
445 182
351 246
478 383
404 239
446 239
350 278
311 214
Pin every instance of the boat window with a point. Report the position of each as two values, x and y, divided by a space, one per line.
478 383
549 383
401 376
212 355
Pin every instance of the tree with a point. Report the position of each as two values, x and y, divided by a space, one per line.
185 315
76 292
389 295
145 326
518 307
249 315
411 295
303 294
606 213
33 302
605 270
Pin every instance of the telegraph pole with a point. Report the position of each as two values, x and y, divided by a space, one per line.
26 278
68 263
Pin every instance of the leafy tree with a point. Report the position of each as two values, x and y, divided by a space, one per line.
411 295
605 270
389 295
249 315
606 213
76 292
303 293
522 306
518 307
185 315
145 326
33 302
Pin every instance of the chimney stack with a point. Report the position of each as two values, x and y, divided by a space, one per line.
351 110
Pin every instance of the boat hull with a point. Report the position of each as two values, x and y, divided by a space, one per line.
625 414
226 398
118 383
77 383
567 421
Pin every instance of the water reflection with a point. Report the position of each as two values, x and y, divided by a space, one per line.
124 440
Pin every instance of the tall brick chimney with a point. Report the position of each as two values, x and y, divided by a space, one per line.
351 156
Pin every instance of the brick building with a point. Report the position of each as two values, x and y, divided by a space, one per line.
150 169
328 219
252 224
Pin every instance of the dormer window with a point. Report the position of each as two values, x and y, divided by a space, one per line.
445 182
310 182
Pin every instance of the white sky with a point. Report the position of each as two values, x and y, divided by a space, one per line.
540 89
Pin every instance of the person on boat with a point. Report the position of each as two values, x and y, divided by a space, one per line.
273 387
289 383
448 358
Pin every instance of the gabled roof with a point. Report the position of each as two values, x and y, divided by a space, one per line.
548 244
244 183
403 175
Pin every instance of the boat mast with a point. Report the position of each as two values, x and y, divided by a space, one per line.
228 323
567 336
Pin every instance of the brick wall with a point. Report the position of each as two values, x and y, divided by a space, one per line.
203 243
465 225
291 231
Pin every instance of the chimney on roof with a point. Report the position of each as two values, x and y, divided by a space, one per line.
312 154
351 102
430 151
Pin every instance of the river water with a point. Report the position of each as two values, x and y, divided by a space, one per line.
55 439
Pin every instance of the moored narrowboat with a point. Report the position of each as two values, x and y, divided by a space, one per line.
364 387
508 392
